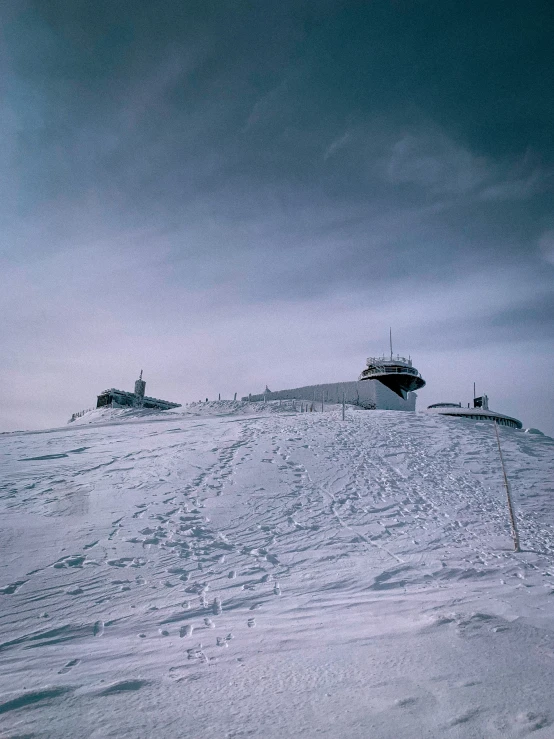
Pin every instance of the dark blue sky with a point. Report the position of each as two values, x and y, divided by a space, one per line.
233 193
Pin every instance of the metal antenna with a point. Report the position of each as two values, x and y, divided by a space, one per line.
140 378
390 339
474 391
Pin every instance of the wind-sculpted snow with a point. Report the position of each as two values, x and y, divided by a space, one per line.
232 569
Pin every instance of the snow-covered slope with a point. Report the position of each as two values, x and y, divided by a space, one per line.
235 570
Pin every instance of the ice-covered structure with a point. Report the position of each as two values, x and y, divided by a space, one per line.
396 373
123 398
479 412
386 383
370 395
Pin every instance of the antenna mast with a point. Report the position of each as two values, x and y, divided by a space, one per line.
390 340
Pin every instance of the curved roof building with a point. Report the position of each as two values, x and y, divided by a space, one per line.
480 412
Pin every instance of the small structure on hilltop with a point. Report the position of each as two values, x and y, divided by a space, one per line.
479 412
114 398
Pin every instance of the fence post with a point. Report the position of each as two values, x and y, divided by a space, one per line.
343 416
515 534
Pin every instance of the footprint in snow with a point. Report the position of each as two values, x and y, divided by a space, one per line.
68 666
123 686
13 587
74 560
121 562
137 562
251 623
186 630
98 628
463 718
405 702
532 721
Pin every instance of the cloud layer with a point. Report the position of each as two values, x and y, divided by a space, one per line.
227 197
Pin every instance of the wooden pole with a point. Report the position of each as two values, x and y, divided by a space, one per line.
515 534
343 416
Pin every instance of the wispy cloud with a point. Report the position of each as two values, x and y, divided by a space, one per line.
437 163
336 145
260 190
267 106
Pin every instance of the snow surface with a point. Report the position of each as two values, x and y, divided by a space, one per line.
233 569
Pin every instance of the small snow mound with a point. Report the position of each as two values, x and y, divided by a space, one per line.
534 431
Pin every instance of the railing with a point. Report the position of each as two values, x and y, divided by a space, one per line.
380 360
380 370
74 416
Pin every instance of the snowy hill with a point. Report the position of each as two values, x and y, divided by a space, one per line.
229 570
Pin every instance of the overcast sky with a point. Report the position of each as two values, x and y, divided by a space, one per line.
228 194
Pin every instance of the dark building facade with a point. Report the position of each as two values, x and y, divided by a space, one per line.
114 398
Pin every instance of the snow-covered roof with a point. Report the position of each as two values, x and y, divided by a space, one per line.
128 394
474 413
444 405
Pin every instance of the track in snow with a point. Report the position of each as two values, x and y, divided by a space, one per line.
137 555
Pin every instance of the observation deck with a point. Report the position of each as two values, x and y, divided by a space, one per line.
397 373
